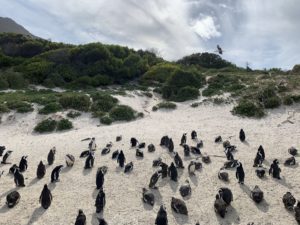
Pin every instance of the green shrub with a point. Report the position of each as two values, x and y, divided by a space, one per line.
64 124
248 109
296 98
50 108
106 120
3 83
73 114
140 115
154 108
19 106
15 80
195 104
186 93
103 102
75 101
3 108
288 100
44 126
122 113
166 105
271 103
218 101
148 94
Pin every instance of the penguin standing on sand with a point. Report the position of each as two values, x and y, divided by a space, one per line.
41 170
162 217
153 180
242 135
6 157
275 170
194 135
229 154
99 179
51 156
92 145
55 173
133 142
164 170
192 168
81 218
121 159
100 201
240 174
178 161
70 160
89 162
172 172
23 164
46 197
261 152
171 145
183 139
18 178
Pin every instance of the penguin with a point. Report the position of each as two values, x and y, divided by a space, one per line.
226 195
139 153
194 135
257 195
105 151
258 159
19 179
162 216
228 154
23 164
230 164
275 170
84 154
240 174
198 165
293 151
51 156
81 218
220 206
297 212
171 145
55 173
102 221
109 145
121 159
41 170
192 168
89 162
172 172
46 197
164 141
133 142
115 154
260 172
226 144
13 169
178 161
6 157
195 150
206 159
223 175
12 199
70 160
99 179
179 206
186 150
183 139
142 145
242 135
200 144
128 167
156 162
185 189
148 197
290 161
288 201
218 139
262 152
151 148
100 201
103 169
164 170
2 149
153 180
92 145
119 138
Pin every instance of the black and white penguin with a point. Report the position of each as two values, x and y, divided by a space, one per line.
142 145
109 145
51 156
104 169
297 212
128 167
6 157
89 162
19 179
172 172
195 150
185 189
198 165
100 201
102 221
258 159
41 170
148 197
275 170
226 144
92 145
55 173
99 178
105 151
206 158
13 169
186 150
139 153
70 160
223 175
183 139
46 197
240 174
23 164
290 161
230 164
84 154
119 138
179 206
133 142
162 216
153 180
192 168
164 170
226 195
171 145
156 162
262 152
2 149
293 151
12 199
121 159
288 200
257 195
200 144
115 154
242 135
260 172
151 148
81 218
220 206
178 161
228 154
218 139
194 135
164 141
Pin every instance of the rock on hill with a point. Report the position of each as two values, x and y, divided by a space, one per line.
7 25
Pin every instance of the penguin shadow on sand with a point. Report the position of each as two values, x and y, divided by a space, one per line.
96 217
283 182
86 171
4 209
231 217
174 185
95 193
7 192
158 197
119 169
66 169
246 143
180 219
37 213
52 186
33 182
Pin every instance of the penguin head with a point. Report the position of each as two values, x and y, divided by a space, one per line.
276 161
80 212
45 186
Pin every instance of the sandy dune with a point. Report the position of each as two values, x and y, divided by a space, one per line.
76 190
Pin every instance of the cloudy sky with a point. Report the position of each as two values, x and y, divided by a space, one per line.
265 33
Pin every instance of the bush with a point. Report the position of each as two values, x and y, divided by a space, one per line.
273 102
195 105
288 100
64 124
166 105
186 93
296 98
103 102
3 83
122 113
106 120
73 114
20 107
249 109
3 108
50 108
44 126
148 94
154 108
77 102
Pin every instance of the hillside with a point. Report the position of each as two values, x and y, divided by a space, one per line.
8 25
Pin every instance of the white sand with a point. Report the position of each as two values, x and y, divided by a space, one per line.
76 190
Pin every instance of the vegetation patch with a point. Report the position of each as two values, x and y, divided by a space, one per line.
4 108
122 113
73 114
52 107
75 101
20 107
106 120
64 124
248 109
46 126
165 105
